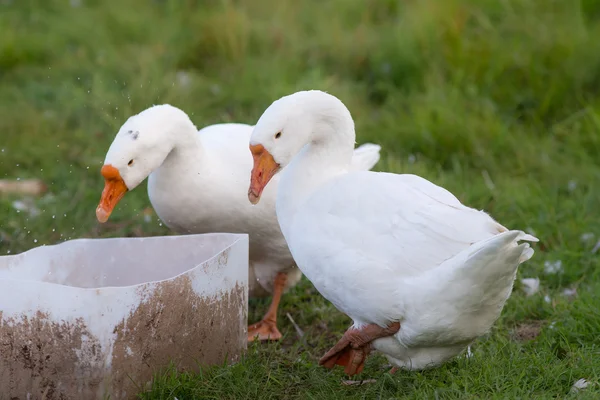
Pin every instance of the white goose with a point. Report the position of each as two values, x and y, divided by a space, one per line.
198 183
420 274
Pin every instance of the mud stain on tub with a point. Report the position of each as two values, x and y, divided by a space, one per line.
39 355
176 325
65 361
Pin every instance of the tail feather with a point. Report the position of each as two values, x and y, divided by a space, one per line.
486 269
365 157
527 251
474 285
527 237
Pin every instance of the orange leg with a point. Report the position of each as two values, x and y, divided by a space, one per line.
353 348
267 328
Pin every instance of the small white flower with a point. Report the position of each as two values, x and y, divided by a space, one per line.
26 206
19 205
587 237
553 267
530 285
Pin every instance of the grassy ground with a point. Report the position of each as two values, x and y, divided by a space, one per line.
498 101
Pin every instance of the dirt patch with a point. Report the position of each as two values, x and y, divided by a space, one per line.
528 330
175 321
38 355
65 361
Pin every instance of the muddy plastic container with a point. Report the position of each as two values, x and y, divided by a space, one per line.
92 318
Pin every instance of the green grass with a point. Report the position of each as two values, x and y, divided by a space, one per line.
498 101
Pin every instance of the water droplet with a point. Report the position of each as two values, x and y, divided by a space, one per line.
34 240
53 229
54 216
18 179
7 251
17 165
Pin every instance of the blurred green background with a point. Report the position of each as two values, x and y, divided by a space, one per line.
498 101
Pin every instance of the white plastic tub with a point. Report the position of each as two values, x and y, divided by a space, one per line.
90 318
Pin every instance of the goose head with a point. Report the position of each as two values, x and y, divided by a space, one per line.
140 147
287 126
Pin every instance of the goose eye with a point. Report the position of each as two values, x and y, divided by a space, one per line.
278 135
130 163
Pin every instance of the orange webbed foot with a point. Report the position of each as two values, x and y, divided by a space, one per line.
352 350
263 331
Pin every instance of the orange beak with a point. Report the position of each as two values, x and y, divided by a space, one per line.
264 169
114 190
